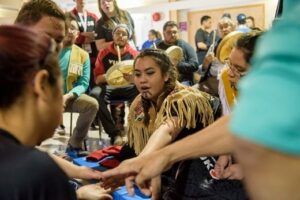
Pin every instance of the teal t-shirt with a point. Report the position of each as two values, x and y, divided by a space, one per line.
81 85
268 110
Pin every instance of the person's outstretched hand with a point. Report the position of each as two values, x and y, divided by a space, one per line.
120 175
140 170
222 162
93 192
224 169
87 173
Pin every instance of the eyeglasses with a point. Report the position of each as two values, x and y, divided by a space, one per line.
72 30
171 32
121 33
224 26
235 69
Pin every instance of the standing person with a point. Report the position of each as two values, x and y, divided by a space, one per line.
153 38
105 93
112 15
86 39
211 66
30 109
203 38
241 23
75 66
250 22
189 64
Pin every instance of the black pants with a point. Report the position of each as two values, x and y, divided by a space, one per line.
105 95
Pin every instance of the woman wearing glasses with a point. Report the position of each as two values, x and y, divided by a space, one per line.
237 66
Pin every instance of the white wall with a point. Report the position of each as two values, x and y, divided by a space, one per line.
270 9
271 6
142 10
127 4
9 10
7 15
143 23
143 17
185 6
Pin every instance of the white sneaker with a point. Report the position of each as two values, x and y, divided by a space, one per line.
118 140
60 130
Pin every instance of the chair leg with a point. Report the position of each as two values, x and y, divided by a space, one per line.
71 123
84 144
100 127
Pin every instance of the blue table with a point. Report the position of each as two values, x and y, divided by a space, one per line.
121 193
94 165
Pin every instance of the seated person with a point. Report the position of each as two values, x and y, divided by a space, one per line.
153 38
75 66
164 112
118 50
30 108
241 23
237 67
189 64
211 66
211 141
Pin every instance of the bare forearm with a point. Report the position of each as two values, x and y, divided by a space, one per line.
163 136
101 44
202 46
156 141
69 168
100 79
213 140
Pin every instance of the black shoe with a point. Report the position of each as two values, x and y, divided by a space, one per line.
94 127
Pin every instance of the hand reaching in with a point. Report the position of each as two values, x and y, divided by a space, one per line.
224 169
93 192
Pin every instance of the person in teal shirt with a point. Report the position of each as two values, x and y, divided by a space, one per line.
266 121
75 66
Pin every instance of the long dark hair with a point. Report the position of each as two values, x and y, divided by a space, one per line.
247 42
121 15
22 53
156 33
166 67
